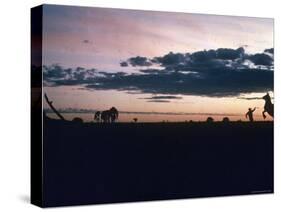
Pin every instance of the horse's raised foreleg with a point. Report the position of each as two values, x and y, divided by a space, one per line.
263 114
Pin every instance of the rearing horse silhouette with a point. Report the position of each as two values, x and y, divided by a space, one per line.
268 106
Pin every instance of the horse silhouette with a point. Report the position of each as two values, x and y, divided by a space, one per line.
97 116
109 116
268 106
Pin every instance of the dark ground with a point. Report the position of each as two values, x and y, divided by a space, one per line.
121 162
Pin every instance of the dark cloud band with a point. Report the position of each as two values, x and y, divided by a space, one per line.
221 72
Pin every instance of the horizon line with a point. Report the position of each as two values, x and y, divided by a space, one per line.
74 110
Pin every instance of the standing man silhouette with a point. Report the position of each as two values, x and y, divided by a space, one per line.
250 113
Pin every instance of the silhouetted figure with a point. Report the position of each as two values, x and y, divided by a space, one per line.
97 116
250 113
225 120
210 120
135 120
268 106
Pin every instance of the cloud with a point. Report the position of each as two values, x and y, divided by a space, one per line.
271 50
221 57
159 101
171 59
56 75
86 41
230 54
221 72
218 82
216 55
124 64
261 59
250 98
153 71
163 97
200 58
139 61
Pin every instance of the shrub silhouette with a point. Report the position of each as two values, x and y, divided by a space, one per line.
225 120
210 120
77 120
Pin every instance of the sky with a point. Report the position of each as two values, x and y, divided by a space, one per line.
191 65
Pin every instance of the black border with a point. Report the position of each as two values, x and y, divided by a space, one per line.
36 106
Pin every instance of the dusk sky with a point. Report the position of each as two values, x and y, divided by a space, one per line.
145 61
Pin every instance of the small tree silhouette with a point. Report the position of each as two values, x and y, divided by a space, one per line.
135 120
225 120
210 120
50 103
